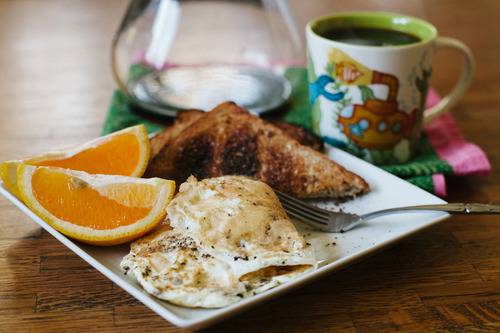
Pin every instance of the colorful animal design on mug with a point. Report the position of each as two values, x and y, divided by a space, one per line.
376 123
318 88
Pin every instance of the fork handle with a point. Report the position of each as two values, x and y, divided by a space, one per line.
453 208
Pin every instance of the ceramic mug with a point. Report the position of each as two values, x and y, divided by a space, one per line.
370 100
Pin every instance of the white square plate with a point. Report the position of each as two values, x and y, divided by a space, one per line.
386 191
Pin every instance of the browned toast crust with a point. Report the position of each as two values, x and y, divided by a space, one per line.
229 140
183 120
301 135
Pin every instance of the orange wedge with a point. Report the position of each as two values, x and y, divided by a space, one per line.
125 153
95 209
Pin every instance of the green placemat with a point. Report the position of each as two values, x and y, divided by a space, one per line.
422 171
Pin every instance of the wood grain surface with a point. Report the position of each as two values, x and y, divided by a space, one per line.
55 86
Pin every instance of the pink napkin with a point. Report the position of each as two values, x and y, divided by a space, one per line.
464 157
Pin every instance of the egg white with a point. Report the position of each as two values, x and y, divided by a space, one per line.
229 238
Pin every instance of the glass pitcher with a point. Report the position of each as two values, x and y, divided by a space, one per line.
170 55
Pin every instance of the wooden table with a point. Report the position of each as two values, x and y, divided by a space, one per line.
55 85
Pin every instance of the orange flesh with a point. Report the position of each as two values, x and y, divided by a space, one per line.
101 160
71 200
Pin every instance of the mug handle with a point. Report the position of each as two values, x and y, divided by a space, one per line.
465 78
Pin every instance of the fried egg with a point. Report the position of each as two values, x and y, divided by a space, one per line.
171 266
228 238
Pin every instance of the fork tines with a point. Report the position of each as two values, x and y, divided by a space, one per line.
302 210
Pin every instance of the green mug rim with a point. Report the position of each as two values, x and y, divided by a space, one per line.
377 19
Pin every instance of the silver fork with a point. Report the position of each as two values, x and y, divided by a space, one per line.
329 221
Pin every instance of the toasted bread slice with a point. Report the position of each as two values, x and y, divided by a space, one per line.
301 135
186 118
230 141
183 120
